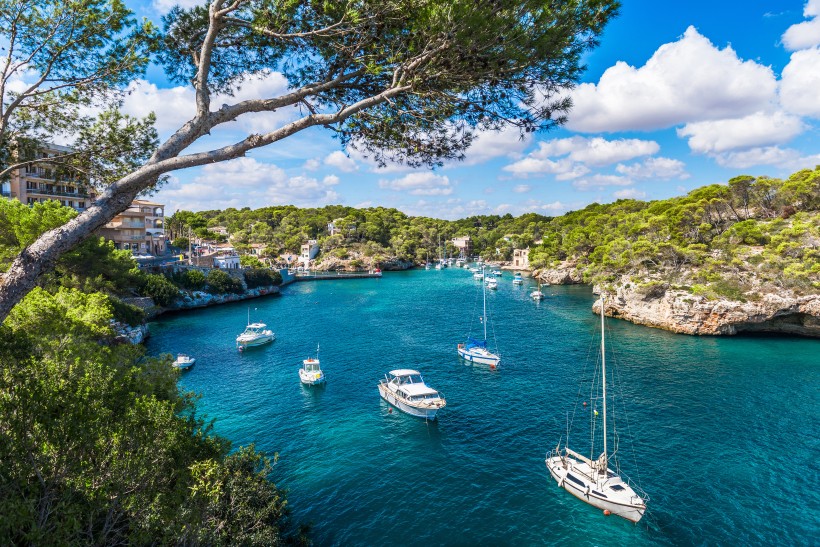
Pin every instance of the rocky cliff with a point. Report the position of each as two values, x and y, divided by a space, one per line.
682 312
658 305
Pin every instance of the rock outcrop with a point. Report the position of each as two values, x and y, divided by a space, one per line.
566 273
682 312
130 335
201 299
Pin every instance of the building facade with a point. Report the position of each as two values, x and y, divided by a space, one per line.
139 229
45 181
309 252
521 259
464 245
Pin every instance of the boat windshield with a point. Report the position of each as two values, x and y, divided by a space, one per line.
311 367
410 379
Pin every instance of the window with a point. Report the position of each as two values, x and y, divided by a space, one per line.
576 480
617 487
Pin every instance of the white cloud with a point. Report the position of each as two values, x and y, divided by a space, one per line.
629 193
658 168
522 188
597 182
312 164
246 182
420 184
800 82
164 6
684 81
494 144
758 129
785 158
340 161
575 155
806 34
176 105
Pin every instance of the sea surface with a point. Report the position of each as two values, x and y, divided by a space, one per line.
723 433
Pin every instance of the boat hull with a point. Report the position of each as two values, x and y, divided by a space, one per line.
467 355
311 378
262 340
390 397
630 511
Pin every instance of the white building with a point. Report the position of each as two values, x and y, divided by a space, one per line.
227 262
309 252
521 259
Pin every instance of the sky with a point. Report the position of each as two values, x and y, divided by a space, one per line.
678 95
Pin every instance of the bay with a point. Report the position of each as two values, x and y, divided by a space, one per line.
724 430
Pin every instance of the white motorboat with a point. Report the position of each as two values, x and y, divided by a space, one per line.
476 351
183 362
255 334
478 275
497 273
405 389
438 265
537 294
311 373
592 480
517 279
492 284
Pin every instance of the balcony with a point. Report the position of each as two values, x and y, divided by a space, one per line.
45 192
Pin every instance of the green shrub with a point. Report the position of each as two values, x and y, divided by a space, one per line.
340 253
126 313
261 278
193 280
220 282
160 289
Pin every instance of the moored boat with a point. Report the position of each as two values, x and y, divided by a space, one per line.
255 334
592 480
474 350
517 279
405 389
183 362
311 372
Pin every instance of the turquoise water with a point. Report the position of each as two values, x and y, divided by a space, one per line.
725 430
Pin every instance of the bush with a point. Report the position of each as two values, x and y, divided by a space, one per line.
160 289
220 282
261 278
193 280
250 261
126 313
180 243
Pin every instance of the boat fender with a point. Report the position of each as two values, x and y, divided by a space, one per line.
607 512
561 482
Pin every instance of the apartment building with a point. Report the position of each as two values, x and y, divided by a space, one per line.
44 181
139 229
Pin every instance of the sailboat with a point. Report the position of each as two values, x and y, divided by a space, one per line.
476 351
537 295
592 481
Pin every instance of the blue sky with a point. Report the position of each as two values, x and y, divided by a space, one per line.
677 96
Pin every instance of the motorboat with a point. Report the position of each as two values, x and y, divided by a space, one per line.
311 373
405 389
478 275
492 284
517 279
497 273
256 334
183 362
537 294
592 480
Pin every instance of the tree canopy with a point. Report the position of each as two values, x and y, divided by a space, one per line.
402 80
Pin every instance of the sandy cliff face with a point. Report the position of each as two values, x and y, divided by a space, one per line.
680 311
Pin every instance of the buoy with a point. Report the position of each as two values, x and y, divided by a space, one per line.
390 411
607 512
492 366
585 403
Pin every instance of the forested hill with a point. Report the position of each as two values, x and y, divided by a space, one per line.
724 238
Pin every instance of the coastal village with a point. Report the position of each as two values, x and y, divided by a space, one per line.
449 272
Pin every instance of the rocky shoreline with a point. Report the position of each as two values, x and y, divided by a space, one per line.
683 312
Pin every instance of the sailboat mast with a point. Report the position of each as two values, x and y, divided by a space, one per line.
603 370
484 291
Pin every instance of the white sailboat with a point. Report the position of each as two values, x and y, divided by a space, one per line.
476 351
537 295
592 481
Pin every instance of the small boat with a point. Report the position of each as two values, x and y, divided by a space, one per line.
492 284
537 295
474 270
405 389
478 275
311 373
497 273
591 480
183 362
517 279
255 334
476 351
438 265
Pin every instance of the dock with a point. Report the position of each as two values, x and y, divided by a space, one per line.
335 275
